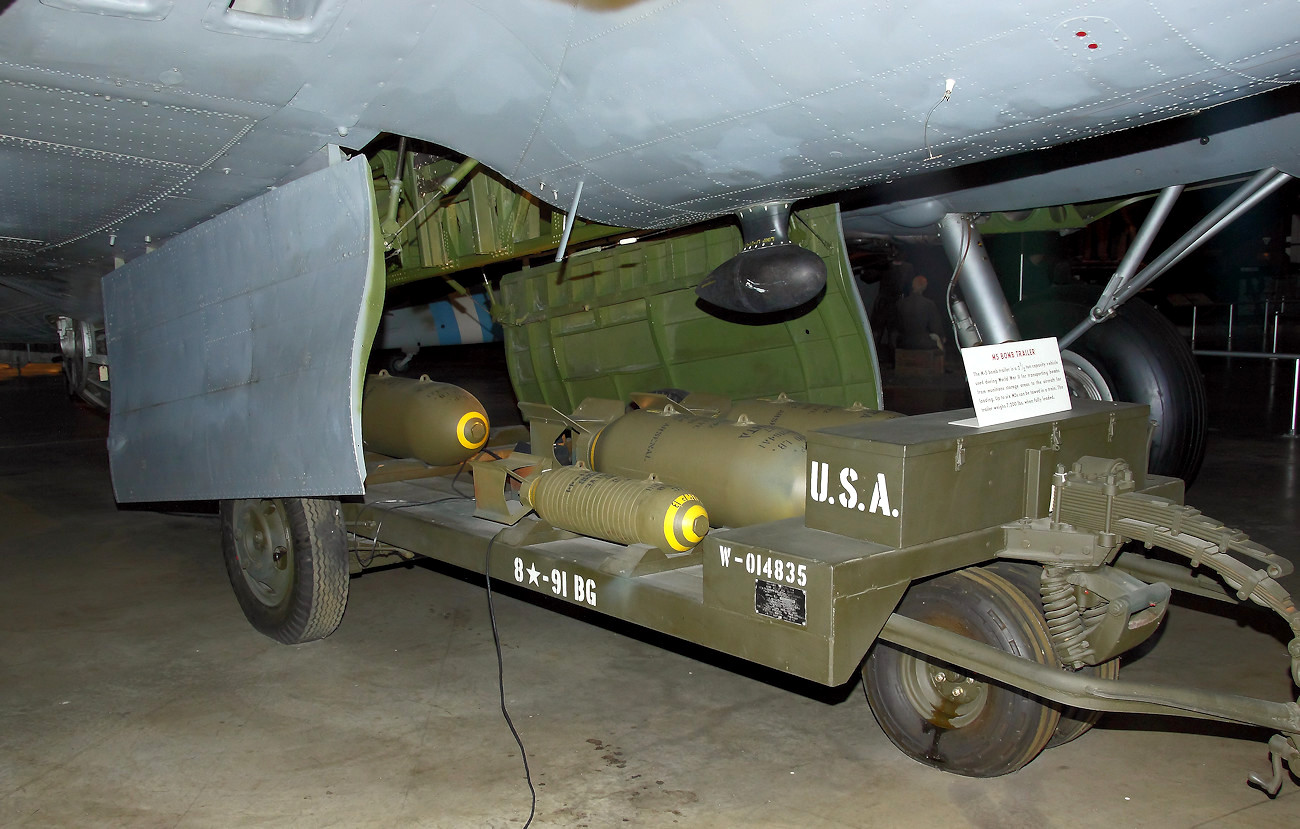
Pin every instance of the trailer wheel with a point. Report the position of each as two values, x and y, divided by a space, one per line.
939 716
1139 357
1075 722
287 562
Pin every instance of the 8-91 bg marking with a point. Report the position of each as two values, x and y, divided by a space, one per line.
583 589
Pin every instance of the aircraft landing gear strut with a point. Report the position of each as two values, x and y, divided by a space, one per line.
1139 357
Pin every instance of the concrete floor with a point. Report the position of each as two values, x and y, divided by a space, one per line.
133 693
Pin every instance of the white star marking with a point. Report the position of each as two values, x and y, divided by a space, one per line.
533 573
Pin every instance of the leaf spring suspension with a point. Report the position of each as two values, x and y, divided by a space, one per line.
1099 495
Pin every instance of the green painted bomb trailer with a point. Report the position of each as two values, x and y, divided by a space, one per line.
983 581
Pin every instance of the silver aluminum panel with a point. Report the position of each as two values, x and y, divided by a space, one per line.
238 348
61 191
121 123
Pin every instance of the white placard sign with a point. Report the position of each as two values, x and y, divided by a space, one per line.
1016 380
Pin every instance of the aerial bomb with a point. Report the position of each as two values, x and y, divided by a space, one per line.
745 473
803 417
617 509
781 410
438 423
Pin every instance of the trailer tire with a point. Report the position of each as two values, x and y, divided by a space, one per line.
1075 722
1139 357
287 560
942 718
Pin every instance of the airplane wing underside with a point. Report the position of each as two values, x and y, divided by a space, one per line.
124 122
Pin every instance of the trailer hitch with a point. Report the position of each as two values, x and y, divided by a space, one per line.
1281 748
1083 691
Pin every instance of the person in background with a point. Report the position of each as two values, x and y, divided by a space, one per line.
920 324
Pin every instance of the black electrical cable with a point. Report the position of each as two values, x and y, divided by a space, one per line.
496 635
374 548
459 472
501 676
463 466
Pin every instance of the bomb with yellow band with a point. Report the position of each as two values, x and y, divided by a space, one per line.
614 508
746 473
437 423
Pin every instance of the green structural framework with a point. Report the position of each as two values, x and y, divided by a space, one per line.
626 319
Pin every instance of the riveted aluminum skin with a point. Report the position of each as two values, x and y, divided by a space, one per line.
438 423
618 509
744 473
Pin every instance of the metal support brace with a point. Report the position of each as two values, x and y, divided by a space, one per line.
1133 257
568 223
435 198
1260 186
974 274
395 188
1121 288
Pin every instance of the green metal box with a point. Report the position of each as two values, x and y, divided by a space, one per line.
914 480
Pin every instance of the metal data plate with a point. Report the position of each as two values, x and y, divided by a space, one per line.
238 349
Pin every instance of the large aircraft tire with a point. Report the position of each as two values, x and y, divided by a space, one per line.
942 718
74 363
1075 722
71 378
287 562
1137 357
